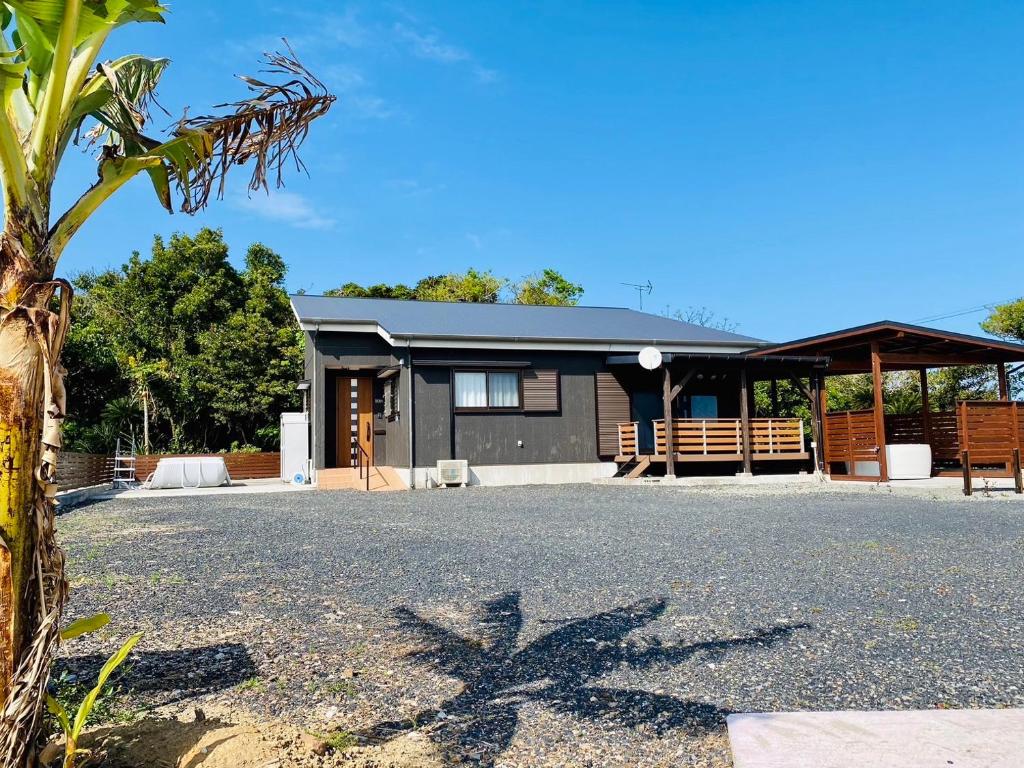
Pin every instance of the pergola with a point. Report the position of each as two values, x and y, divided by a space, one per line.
856 438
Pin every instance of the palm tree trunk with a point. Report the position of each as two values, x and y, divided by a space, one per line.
32 585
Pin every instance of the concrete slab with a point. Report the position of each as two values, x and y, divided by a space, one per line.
980 738
272 485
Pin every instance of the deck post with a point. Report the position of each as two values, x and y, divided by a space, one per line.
816 423
926 409
745 420
670 448
876 380
1004 389
822 394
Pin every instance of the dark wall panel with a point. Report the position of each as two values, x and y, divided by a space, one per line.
432 404
567 436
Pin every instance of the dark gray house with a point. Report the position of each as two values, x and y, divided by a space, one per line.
524 394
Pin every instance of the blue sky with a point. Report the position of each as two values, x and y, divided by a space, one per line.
795 166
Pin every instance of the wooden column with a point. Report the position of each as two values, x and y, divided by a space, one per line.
816 421
822 421
1004 389
745 420
670 448
876 380
926 413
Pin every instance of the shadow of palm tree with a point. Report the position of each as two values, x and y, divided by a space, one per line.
558 670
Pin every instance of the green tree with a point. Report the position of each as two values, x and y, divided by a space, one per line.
247 366
964 382
470 286
1006 321
547 287
379 291
217 353
51 84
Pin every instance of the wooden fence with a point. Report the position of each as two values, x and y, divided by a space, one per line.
241 466
941 433
81 470
850 437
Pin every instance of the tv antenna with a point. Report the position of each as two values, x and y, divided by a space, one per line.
641 289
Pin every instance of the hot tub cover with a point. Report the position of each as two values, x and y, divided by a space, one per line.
190 472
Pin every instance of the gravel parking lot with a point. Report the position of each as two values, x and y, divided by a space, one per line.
575 625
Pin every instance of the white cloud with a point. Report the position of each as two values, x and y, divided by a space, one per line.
474 240
429 45
412 187
287 207
357 97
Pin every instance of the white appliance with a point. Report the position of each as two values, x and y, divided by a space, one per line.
295 448
452 472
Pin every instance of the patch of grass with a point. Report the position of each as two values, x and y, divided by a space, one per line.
871 545
338 741
341 688
252 684
907 625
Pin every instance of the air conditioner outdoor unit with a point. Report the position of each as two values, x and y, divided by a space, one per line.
453 472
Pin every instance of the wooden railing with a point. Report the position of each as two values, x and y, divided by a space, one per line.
629 444
722 439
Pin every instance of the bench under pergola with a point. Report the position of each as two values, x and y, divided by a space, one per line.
976 435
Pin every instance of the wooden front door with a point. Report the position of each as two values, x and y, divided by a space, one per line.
354 418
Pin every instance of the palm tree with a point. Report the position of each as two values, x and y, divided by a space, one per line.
52 82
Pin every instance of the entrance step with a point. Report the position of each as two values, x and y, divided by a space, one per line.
347 478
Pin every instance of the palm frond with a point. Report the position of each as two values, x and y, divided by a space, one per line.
120 98
267 129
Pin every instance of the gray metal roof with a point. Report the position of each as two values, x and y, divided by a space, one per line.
508 321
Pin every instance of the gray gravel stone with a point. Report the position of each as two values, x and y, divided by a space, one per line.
565 625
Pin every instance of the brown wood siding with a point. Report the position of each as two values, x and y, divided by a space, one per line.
541 391
241 466
612 410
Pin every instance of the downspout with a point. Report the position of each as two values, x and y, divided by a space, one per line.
412 416
314 411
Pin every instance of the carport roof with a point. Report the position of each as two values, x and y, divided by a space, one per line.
900 346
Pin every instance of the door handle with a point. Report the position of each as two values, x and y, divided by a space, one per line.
368 435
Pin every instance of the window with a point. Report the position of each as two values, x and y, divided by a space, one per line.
483 390
391 398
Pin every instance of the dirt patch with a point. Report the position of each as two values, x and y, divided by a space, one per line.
214 743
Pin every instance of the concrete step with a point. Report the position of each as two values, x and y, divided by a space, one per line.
347 478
